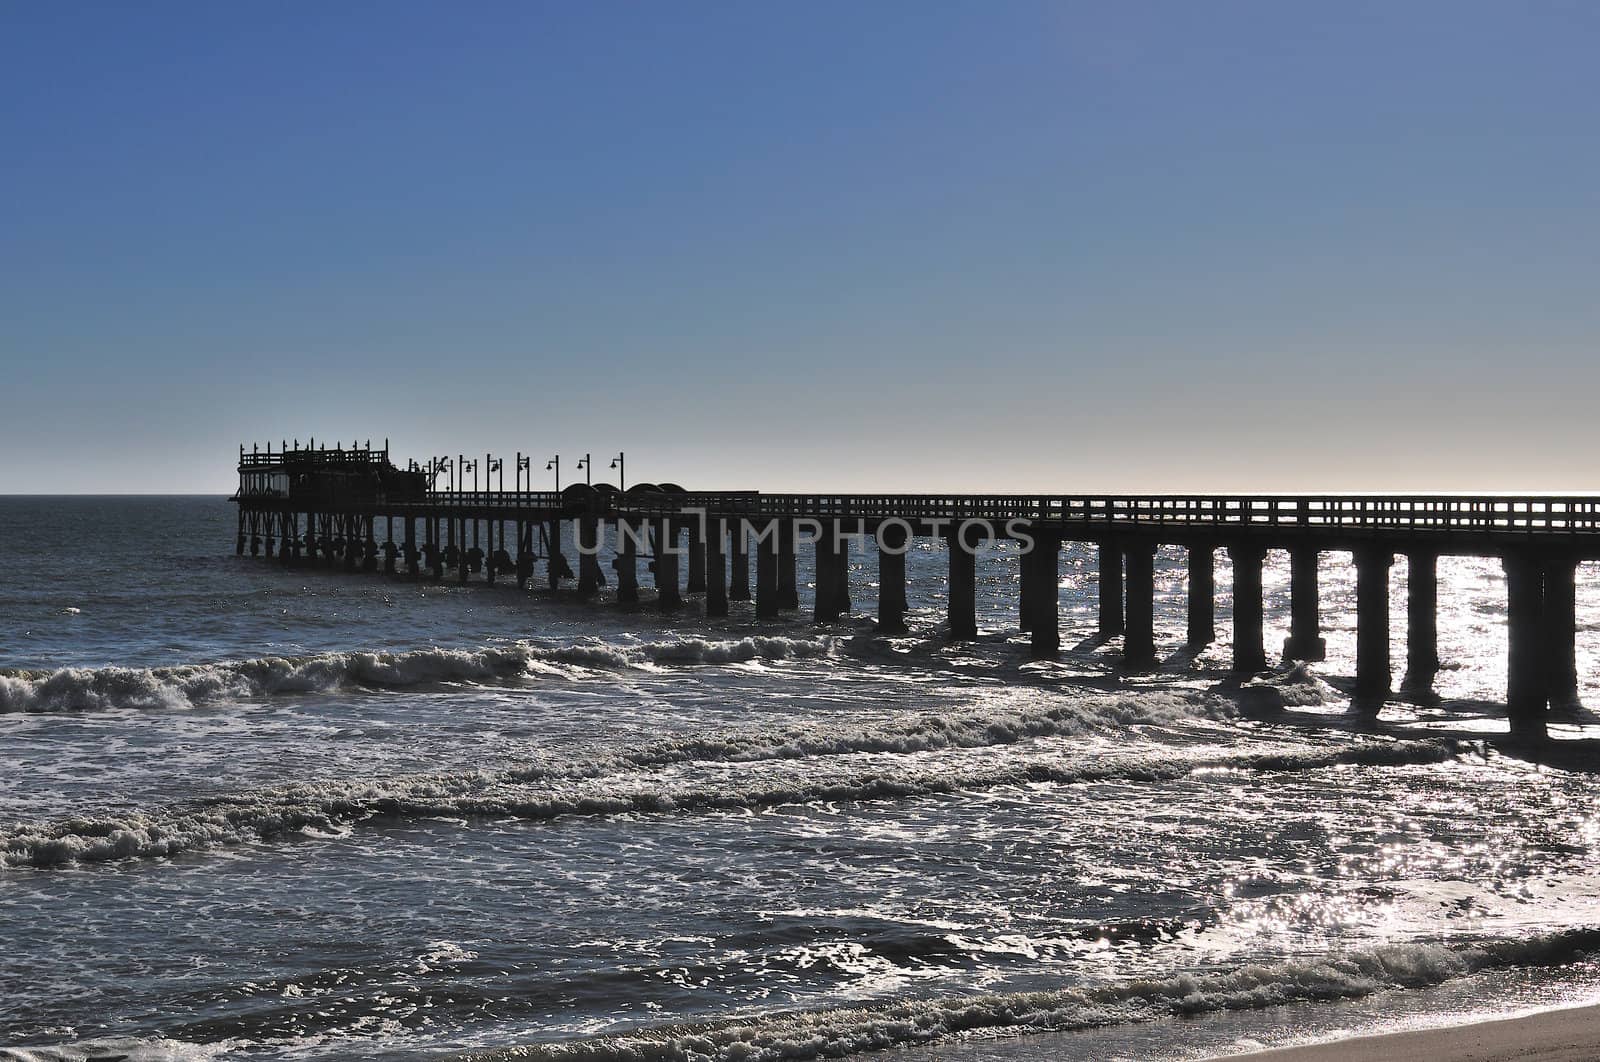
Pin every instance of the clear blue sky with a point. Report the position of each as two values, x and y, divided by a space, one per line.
929 245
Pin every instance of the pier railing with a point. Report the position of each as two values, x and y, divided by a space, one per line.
1555 513
1481 513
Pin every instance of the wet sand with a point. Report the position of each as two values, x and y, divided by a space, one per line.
1549 1036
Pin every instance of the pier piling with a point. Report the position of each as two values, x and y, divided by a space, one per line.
1202 594
1110 589
892 538
1305 641
767 596
1372 626
669 598
1527 696
1249 649
1422 621
714 572
1139 639
962 599
1042 580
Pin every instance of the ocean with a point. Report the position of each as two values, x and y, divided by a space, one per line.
252 811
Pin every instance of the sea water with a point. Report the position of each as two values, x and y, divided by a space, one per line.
249 810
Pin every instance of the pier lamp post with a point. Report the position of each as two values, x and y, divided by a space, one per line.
497 464
622 478
586 463
473 465
523 464
555 463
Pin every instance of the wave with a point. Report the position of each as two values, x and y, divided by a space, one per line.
331 808
835 1033
192 685
121 1049
932 733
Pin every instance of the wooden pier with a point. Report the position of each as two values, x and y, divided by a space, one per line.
354 508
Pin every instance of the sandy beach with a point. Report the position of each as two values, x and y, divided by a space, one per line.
1549 1036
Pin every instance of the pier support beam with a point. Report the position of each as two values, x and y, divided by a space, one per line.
962 597
893 539
1422 621
833 574
1305 641
767 596
738 563
1139 636
1372 626
1527 696
1560 631
1025 586
626 563
1202 595
697 557
1110 589
413 561
556 566
589 575
1041 581
1249 651
788 579
668 597
714 572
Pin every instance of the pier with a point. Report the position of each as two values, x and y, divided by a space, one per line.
355 509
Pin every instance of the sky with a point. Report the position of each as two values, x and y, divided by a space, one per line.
922 246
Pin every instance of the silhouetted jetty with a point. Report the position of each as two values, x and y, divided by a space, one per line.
310 505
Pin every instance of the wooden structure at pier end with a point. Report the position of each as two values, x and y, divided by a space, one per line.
354 508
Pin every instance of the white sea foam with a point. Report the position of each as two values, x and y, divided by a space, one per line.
324 808
187 686
122 1049
836 1033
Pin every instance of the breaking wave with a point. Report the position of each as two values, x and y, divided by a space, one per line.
545 792
836 1033
192 685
